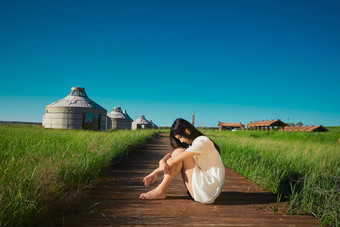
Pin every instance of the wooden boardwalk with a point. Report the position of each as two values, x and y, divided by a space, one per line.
115 201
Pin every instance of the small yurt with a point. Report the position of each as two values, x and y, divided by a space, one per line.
118 119
141 123
154 126
75 111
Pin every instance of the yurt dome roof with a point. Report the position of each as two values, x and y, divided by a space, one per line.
76 98
151 122
126 114
117 113
78 91
141 120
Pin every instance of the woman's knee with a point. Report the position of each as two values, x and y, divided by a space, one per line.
177 151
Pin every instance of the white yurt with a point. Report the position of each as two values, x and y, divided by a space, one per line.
141 123
154 126
118 119
75 111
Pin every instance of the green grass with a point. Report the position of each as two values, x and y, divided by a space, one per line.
43 169
303 167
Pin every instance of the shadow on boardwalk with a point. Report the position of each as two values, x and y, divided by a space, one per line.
115 201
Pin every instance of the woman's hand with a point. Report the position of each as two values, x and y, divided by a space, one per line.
150 178
164 167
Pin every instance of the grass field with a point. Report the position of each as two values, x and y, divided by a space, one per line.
303 167
43 169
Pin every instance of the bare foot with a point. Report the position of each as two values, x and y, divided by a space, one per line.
153 194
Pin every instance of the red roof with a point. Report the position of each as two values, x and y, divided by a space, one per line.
233 125
266 123
305 129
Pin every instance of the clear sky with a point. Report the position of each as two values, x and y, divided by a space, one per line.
229 61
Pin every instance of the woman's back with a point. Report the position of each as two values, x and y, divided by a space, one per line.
209 172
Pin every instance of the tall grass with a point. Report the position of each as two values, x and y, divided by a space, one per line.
303 167
41 169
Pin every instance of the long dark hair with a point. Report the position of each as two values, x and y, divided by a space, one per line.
179 128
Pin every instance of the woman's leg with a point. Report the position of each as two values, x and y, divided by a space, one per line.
187 172
185 167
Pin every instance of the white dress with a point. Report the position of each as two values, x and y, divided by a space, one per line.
209 173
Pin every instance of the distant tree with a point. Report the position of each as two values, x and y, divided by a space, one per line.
299 124
291 124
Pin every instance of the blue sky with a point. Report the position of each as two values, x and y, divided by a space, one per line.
229 61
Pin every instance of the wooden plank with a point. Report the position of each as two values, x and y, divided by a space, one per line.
115 200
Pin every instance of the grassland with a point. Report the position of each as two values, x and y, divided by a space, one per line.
301 167
43 169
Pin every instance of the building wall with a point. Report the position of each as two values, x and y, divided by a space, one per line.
58 120
136 126
114 123
63 120
102 122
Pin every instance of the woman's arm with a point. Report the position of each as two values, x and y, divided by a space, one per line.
169 162
180 157
166 157
149 179
163 167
